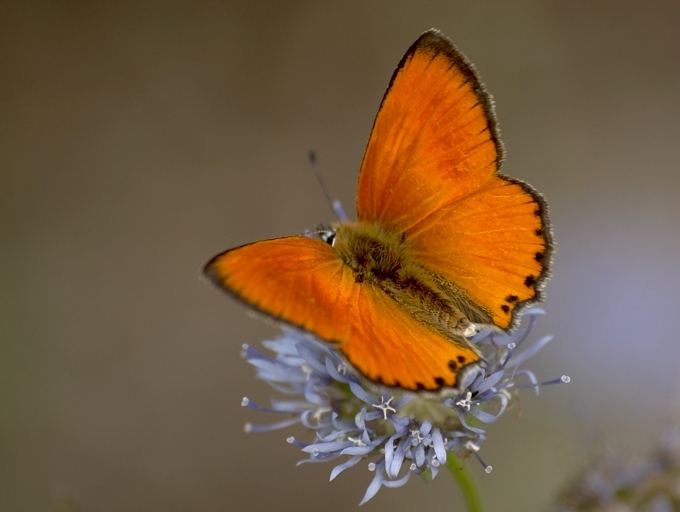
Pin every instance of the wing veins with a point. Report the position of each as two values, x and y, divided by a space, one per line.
414 140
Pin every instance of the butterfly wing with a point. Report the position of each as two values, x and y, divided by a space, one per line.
430 171
302 282
433 140
494 246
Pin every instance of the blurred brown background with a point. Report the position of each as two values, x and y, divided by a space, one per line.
138 140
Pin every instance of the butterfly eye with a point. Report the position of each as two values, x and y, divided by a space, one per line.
328 236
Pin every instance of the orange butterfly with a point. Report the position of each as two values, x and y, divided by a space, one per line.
443 241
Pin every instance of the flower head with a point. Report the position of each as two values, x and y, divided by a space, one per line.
614 482
398 433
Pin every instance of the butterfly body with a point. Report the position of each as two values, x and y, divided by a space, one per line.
382 259
443 241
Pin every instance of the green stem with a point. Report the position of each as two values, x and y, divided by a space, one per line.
467 485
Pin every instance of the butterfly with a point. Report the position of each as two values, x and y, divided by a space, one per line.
443 243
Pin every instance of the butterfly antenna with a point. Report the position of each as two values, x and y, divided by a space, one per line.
335 205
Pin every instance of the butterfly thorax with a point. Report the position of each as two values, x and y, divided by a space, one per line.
381 258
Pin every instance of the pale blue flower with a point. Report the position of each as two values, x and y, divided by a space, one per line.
397 433
613 481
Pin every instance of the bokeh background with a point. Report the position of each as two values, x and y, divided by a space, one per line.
138 139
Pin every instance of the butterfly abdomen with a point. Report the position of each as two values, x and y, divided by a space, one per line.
381 258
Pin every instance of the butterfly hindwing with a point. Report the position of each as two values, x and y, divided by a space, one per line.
495 245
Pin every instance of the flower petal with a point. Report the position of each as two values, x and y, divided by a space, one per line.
342 467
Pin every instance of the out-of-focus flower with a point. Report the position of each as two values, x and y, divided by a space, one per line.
397 433
612 482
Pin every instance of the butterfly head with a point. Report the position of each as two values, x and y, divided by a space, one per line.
328 236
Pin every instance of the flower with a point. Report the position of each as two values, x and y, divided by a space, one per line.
614 482
399 433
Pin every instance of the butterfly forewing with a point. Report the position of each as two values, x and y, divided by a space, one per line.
432 141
